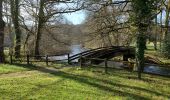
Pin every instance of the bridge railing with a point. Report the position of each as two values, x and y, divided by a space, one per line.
88 52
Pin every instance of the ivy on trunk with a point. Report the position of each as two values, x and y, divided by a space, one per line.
141 18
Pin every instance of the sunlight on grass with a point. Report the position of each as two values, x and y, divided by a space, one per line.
81 84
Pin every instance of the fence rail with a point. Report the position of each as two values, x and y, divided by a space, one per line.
130 64
46 58
105 61
35 58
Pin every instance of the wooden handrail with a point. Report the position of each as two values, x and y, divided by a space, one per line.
92 51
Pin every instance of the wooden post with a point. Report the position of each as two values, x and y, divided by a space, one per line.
125 57
106 66
28 59
11 61
68 58
46 59
80 61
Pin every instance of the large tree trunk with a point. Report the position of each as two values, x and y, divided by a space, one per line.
140 51
15 19
40 26
2 25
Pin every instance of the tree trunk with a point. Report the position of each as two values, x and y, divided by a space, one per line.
161 35
142 12
145 43
140 51
2 25
40 26
156 34
15 19
9 28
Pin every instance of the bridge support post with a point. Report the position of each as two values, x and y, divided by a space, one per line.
125 57
106 66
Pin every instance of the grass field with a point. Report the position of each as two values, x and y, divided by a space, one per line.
4 68
20 82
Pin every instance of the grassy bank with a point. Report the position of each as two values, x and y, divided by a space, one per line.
156 54
73 83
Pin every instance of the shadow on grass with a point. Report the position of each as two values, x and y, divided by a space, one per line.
30 66
95 82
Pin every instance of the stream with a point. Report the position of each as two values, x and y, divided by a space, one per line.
75 49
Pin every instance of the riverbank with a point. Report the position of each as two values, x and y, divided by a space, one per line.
73 83
157 55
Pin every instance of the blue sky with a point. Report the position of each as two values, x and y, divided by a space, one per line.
163 15
76 17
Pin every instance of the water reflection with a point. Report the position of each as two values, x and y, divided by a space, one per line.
157 70
75 49
148 69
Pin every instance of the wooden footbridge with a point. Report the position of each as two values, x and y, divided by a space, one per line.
105 53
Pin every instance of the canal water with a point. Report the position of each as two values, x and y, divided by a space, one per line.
75 49
157 70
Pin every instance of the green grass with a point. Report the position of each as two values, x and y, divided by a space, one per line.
6 68
23 82
74 83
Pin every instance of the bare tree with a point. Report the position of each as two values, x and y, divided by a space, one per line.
44 14
47 12
107 24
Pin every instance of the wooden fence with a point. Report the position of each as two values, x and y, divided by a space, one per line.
41 58
130 64
82 63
